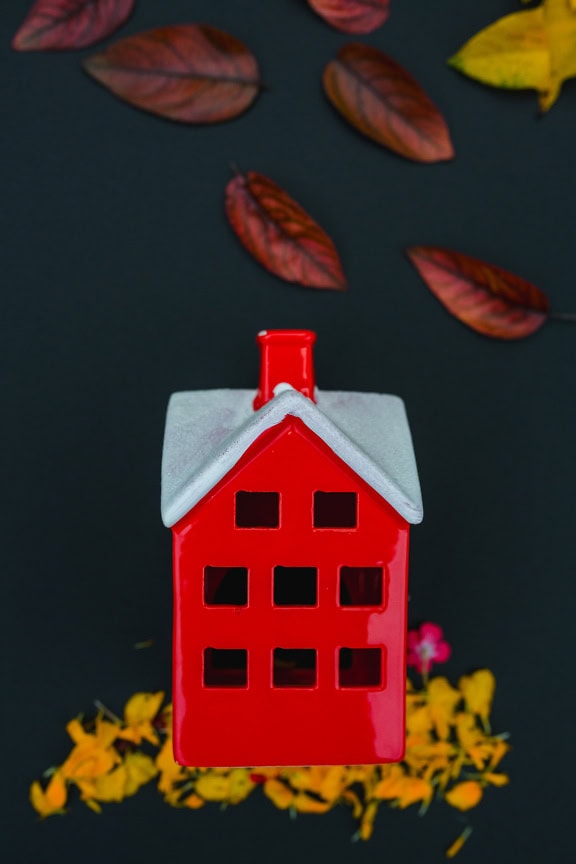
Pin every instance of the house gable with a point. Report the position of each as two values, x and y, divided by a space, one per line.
208 432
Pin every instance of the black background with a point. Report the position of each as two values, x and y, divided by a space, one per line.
122 283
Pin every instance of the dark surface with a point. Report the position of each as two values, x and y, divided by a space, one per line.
122 283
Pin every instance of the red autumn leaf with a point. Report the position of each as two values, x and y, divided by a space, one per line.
189 72
486 298
280 234
352 16
380 99
53 25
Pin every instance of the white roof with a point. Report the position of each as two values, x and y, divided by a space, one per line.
207 431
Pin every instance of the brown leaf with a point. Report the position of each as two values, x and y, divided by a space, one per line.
486 298
53 25
189 72
380 99
280 234
352 16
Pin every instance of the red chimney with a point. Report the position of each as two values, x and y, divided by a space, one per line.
285 358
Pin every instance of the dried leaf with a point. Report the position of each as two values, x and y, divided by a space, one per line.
53 25
382 100
280 234
486 298
190 73
352 16
533 49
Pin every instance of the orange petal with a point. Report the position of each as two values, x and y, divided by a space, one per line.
465 795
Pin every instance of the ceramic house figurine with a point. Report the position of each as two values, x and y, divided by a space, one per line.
290 515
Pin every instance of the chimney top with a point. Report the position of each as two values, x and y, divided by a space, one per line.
286 361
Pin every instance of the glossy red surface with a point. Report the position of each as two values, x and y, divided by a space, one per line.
285 358
289 638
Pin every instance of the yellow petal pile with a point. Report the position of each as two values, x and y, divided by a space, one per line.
532 49
450 755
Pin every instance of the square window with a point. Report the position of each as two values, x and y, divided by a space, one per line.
226 586
294 667
225 667
295 586
257 509
335 509
361 586
360 667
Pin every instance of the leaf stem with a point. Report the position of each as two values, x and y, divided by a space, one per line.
563 316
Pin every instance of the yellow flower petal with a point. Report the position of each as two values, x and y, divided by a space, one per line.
465 795
279 793
193 801
496 779
478 691
110 787
52 799
304 803
442 702
142 706
140 769
367 823
457 845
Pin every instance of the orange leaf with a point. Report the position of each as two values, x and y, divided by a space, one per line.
280 234
488 299
382 101
190 73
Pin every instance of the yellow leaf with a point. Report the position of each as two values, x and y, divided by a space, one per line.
465 795
560 24
52 799
478 692
512 53
533 49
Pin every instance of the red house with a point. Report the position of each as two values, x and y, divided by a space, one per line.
290 516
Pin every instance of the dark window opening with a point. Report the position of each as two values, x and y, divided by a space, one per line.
226 586
257 509
294 667
225 667
361 586
360 667
295 586
335 509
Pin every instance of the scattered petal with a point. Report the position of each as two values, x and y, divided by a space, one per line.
51 800
464 795
457 845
